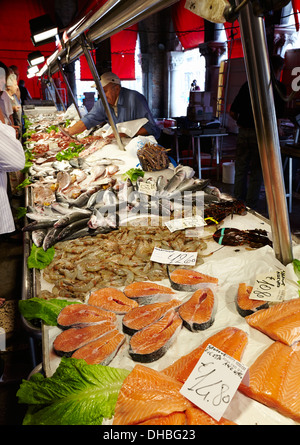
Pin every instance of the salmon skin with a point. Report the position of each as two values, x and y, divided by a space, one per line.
189 280
198 312
280 322
68 341
196 416
245 305
147 394
102 350
275 379
152 342
80 315
112 299
145 292
230 340
140 317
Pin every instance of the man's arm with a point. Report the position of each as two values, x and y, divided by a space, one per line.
77 128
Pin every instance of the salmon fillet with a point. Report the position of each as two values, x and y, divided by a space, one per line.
275 379
280 322
196 416
112 299
145 292
147 394
197 312
171 419
230 340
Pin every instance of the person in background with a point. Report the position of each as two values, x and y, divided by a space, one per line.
5 103
12 158
15 70
125 105
12 90
24 93
248 170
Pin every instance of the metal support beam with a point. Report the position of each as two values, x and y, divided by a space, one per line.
57 92
69 88
259 78
96 77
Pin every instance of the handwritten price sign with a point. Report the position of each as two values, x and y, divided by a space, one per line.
269 287
164 256
214 381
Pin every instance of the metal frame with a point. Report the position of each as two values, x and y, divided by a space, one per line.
254 43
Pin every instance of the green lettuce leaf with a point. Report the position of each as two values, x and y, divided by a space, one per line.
76 394
39 258
296 265
46 310
133 174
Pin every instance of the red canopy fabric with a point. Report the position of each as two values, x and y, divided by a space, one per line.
296 7
189 27
15 42
235 49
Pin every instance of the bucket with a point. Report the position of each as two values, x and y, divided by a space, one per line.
228 172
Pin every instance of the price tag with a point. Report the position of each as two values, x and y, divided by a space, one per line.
148 188
214 381
185 223
269 287
164 256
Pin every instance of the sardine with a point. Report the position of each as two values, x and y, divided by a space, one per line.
65 220
51 237
37 225
71 228
38 236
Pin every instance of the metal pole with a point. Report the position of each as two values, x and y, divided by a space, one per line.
69 88
57 92
259 78
95 75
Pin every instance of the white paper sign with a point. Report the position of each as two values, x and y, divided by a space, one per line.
214 381
185 223
269 287
148 188
164 256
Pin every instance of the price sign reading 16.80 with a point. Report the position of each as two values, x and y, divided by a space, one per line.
214 381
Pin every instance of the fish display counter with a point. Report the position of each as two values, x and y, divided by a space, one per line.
148 268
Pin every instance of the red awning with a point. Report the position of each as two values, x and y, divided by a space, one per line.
189 27
296 7
235 49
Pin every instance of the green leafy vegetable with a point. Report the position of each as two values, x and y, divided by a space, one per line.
134 173
39 258
296 265
45 310
76 394
21 212
51 128
23 184
71 152
28 134
27 166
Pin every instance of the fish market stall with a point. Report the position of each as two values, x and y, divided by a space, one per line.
113 249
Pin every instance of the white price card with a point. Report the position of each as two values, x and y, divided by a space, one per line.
148 188
214 381
164 256
185 223
269 287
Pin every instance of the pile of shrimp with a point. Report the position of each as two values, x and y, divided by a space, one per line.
115 259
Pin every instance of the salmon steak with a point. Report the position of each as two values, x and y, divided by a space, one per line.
80 315
232 341
111 299
142 316
189 280
280 322
275 379
145 292
152 342
102 350
196 416
148 394
244 304
198 312
68 341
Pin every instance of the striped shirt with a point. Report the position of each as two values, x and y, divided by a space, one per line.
12 158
